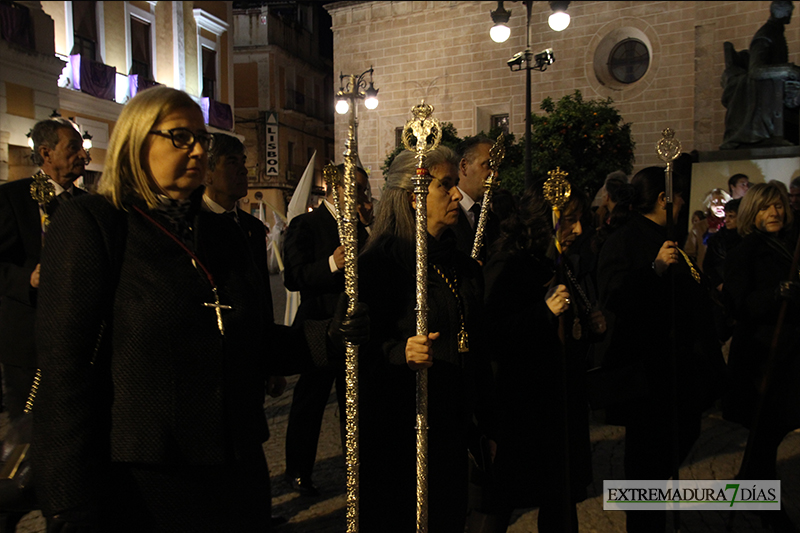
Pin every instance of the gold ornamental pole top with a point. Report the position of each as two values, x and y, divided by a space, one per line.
43 192
668 149
422 126
557 191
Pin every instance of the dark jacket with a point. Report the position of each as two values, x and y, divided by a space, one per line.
640 302
166 388
753 272
541 407
20 249
310 240
387 385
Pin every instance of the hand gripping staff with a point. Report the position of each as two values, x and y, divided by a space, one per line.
428 134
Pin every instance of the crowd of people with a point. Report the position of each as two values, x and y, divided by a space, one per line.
147 296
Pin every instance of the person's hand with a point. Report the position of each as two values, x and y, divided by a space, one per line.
338 257
275 386
598 322
557 299
352 328
667 255
35 276
419 351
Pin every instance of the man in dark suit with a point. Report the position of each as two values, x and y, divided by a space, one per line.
472 172
314 260
225 184
58 150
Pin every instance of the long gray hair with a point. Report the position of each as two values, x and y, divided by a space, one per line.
394 216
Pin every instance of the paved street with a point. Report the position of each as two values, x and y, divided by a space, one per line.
716 455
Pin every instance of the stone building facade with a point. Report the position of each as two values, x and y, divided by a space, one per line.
442 50
283 74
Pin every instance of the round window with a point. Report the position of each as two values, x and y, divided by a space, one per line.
628 61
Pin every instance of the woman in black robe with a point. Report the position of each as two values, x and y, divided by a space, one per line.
540 324
758 281
388 362
636 280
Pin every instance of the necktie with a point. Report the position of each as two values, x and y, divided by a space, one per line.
476 214
53 204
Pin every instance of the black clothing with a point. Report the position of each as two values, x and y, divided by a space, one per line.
639 299
719 244
753 272
465 234
166 391
387 385
542 430
310 241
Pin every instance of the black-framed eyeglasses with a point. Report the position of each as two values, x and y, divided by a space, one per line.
184 138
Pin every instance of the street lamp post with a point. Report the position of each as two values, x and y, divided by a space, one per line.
348 95
558 21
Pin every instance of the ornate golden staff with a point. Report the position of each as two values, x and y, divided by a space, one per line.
422 126
348 220
43 192
496 155
557 191
332 178
668 149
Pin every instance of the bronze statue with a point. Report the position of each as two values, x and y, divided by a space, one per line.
761 88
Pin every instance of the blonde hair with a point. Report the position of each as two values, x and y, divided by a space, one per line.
758 197
123 173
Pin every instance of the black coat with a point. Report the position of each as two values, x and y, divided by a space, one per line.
20 249
165 387
639 299
310 240
753 272
541 407
387 385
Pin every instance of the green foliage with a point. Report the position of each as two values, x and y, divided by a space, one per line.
586 138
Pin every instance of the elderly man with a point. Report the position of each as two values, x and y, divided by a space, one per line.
314 259
58 151
472 173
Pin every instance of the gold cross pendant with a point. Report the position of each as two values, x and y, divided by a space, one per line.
218 309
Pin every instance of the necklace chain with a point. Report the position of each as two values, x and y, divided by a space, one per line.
463 338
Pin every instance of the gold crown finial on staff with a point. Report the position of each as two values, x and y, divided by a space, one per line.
557 191
43 192
668 147
422 126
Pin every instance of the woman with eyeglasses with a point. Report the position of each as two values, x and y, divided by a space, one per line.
388 363
149 415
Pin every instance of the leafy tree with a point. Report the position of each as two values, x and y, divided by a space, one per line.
586 138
